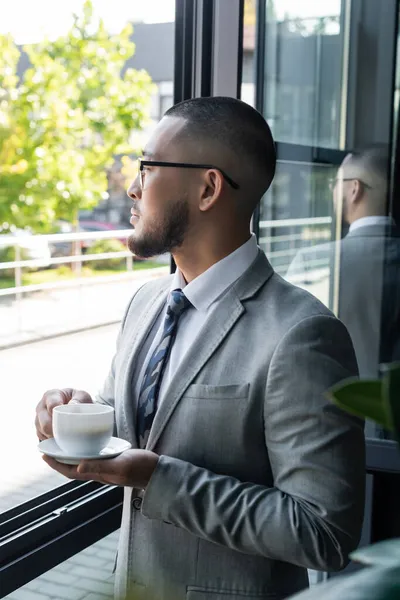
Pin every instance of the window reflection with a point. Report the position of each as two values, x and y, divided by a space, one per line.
303 71
361 269
360 276
326 222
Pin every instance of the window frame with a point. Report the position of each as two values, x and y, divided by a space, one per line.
40 534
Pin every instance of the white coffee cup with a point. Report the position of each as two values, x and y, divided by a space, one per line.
83 429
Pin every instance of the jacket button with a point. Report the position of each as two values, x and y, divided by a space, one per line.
137 503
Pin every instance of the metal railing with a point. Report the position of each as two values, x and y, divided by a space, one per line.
34 317
78 258
278 247
70 301
298 233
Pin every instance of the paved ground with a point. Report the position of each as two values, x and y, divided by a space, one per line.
77 360
41 314
85 576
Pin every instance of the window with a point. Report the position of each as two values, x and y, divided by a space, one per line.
317 94
79 360
54 293
304 53
327 82
85 576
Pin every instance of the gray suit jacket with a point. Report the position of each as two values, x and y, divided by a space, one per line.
260 476
368 261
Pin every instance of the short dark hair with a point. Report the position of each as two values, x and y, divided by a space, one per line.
372 158
236 125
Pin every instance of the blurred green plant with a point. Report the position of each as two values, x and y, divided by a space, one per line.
62 124
107 245
379 401
7 254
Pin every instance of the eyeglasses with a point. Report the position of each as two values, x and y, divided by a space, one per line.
156 163
334 180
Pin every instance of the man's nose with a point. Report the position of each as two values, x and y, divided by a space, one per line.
134 192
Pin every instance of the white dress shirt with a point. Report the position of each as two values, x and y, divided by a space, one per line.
204 293
367 221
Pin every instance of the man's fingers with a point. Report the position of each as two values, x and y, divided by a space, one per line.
81 397
39 433
55 398
91 467
94 470
76 472
70 471
51 399
44 424
44 410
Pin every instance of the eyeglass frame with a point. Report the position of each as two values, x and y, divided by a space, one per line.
159 163
334 180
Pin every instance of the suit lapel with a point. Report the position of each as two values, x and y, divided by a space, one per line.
139 328
207 341
220 322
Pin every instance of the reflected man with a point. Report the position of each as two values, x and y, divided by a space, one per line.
367 260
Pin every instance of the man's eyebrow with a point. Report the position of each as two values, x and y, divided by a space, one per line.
147 153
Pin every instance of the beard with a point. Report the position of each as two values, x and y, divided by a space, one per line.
164 235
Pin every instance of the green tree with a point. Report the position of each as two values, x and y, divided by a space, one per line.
63 123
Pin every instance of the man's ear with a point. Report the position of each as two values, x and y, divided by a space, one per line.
356 191
212 189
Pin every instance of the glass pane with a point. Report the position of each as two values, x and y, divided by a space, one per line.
79 360
298 212
325 228
76 111
86 576
303 71
75 144
326 225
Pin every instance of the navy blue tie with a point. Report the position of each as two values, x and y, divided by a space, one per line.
147 402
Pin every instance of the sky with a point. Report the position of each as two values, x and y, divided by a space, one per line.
30 20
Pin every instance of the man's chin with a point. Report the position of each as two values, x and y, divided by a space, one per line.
139 248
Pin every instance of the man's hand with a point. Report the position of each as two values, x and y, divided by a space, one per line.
52 398
132 468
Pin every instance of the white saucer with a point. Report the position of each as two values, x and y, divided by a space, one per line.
115 447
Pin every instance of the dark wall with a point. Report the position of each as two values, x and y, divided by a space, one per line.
154 50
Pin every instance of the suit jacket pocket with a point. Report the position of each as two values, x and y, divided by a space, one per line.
198 593
218 392
210 422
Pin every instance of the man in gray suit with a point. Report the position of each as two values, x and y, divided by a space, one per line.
367 260
242 473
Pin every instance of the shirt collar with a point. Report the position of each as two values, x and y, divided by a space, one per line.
210 285
373 220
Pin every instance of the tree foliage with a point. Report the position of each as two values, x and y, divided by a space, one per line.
62 124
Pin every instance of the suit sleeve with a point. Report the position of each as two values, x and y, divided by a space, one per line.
312 517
